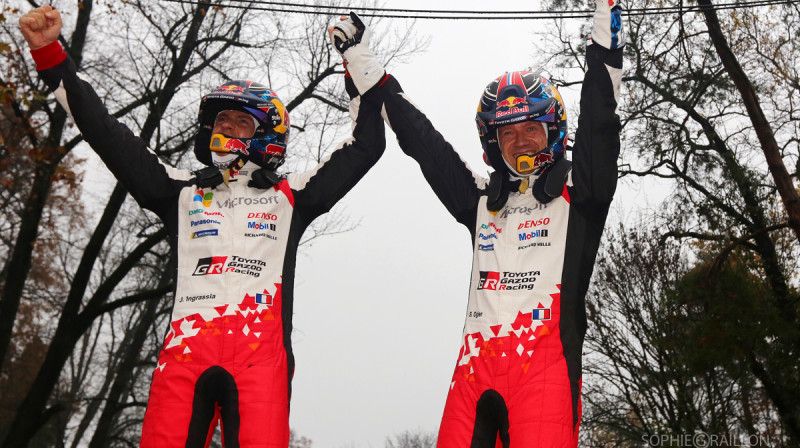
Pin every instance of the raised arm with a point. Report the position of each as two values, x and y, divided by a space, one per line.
319 189
141 172
597 140
448 175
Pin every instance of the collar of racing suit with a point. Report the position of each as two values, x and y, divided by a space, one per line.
501 184
240 176
250 174
520 184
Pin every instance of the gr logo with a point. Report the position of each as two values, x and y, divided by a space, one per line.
210 265
489 280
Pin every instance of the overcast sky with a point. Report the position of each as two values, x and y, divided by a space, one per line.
379 311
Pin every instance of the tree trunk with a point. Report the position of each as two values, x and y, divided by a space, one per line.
783 181
122 382
30 415
19 265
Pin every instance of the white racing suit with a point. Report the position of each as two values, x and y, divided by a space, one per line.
227 354
518 375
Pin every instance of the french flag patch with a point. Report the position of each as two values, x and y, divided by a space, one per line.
540 314
264 299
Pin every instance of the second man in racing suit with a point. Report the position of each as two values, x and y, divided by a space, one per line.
536 226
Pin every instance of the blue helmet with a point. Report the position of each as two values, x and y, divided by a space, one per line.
267 147
521 96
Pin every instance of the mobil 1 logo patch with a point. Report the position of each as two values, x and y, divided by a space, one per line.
261 225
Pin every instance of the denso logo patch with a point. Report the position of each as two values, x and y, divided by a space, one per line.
210 266
534 223
264 216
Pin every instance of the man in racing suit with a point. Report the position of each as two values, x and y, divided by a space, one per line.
234 229
535 226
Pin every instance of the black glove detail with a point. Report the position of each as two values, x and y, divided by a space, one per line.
355 39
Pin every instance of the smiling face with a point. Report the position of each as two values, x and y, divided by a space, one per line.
235 124
523 138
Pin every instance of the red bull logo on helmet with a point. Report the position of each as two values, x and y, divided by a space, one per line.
275 150
220 143
237 146
509 106
511 102
231 89
513 110
543 158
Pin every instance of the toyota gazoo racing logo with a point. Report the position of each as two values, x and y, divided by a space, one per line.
236 264
489 280
210 266
507 281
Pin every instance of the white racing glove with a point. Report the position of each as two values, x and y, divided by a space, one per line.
607 30
350 37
